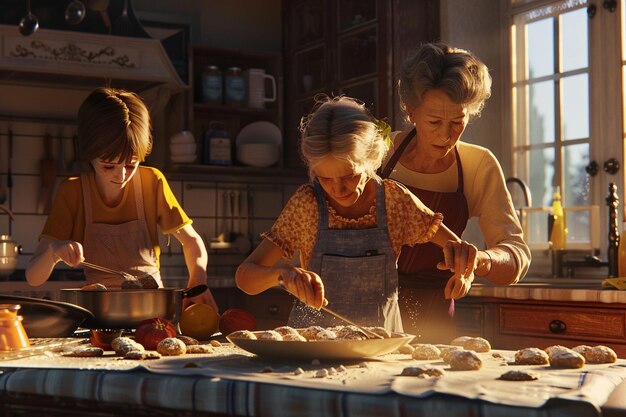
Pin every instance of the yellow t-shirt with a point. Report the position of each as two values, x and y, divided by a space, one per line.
66 220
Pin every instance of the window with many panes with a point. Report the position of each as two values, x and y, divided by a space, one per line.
566 120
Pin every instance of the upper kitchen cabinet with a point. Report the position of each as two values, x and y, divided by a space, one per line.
236 99
349 47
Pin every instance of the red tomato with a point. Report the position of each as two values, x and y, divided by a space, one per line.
103 338
150 332
235 319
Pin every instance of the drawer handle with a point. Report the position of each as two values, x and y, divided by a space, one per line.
557 326
273 309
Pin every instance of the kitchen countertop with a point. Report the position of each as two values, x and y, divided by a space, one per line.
234 382
554 289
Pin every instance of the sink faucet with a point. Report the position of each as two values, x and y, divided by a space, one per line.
528 200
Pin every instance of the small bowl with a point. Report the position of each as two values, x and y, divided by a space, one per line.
258 154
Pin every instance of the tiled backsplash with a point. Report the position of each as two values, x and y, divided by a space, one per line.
206 201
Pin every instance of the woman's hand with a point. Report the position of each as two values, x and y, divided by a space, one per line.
306 285
67 251
459 257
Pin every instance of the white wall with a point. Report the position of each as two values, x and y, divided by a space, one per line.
476 26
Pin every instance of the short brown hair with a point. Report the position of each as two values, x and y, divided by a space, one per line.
113 124
456 72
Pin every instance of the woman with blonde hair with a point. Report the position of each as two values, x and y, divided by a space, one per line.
348 226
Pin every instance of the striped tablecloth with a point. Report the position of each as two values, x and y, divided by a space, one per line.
243 385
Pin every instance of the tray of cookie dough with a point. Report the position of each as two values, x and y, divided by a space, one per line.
315 342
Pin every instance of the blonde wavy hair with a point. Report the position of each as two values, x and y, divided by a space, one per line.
113 124
342 127
456 72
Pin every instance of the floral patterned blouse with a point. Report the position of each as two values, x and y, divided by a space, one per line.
409 221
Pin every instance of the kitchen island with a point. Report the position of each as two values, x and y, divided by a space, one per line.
234 382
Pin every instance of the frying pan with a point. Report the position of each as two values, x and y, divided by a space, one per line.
45 318
125 309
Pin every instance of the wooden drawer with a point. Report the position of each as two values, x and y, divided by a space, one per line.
271 309
469 319
563 322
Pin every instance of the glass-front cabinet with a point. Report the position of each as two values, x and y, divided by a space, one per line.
566 95
336 47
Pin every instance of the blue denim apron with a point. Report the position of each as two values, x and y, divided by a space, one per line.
358 268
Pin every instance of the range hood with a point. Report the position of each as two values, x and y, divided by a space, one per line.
85 60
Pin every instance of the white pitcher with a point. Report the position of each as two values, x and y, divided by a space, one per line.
257 92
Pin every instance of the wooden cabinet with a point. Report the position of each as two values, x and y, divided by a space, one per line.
348 47
270 308
516 324
234 117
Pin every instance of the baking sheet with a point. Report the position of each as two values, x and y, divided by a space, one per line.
322 349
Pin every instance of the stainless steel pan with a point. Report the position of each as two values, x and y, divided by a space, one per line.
125 309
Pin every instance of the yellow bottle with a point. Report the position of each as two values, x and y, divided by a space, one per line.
621 253
558 236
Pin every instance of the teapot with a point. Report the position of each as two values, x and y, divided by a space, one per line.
9 250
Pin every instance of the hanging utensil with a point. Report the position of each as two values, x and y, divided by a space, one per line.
102 7
4 190
368 333
122 26
29 23
9 173
75 12
242 242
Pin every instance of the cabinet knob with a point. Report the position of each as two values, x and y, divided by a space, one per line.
557 326
272 309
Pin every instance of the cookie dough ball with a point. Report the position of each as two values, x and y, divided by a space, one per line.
422 372
381 331
122 345
406 350
269 335
445 351
314 333
94 287
519 376
477 344
171 346
350 333
188 340
290 334
424 351
464 360
531 356
200 349
242 334
562 357
597 354
142 355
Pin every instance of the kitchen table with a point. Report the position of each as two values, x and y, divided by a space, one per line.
234 382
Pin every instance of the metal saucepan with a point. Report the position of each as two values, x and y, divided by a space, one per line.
45 318
125 309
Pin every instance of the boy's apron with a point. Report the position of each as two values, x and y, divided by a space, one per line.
123 247
358 268
425 310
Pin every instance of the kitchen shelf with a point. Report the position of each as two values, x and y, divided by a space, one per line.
196 172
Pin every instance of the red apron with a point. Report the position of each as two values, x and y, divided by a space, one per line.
424 309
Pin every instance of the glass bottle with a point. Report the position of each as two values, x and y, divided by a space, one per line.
217 145
235 87
558 236
12 333
212 85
